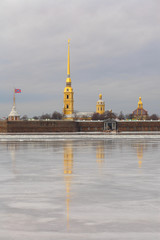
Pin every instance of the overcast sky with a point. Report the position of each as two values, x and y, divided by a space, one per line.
115 50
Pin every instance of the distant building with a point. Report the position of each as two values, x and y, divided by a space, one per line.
83 115
140 113
13 116
68 108
100 107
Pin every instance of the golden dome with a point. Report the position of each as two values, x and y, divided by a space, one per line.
100 96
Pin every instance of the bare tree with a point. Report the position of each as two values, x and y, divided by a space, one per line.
121 116
129 116
153 117
24 117
36 117
56 115
45 116
95 116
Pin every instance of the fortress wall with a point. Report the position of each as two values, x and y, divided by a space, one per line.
3 126
138 126
89 126
54 126
75 126
41 126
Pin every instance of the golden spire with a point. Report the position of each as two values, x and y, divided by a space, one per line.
68 65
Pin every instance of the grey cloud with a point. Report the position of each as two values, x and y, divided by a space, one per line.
114 50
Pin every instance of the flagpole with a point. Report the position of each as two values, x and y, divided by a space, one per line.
14 98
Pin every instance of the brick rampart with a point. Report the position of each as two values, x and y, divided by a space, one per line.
75 126
3 126
42 126
55 126
132 126
91 126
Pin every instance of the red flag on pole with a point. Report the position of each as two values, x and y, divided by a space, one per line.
17 90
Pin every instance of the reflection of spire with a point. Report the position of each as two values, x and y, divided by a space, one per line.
68 167
100 154
12 149
140 154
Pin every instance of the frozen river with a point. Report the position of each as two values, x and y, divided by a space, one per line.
80 189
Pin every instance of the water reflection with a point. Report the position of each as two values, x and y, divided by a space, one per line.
140 154
140 147
37 196
100 154
12 148
68 169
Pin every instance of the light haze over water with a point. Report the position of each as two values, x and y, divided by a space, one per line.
80 189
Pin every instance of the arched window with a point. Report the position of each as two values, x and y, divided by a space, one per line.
67 96
67 106
101 108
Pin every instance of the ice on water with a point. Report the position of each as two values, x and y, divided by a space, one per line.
80 189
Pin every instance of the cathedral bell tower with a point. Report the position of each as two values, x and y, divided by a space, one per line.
100 106
68 92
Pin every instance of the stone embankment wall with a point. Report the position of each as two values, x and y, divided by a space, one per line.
54 126
91 126
75 126
3 126
41 126
131 126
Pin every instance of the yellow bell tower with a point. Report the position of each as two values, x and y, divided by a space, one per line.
100 107
68 92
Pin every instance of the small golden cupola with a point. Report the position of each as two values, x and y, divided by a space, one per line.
140 104
140 113
100 107
68 92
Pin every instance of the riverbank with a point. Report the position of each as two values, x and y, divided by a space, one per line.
76 135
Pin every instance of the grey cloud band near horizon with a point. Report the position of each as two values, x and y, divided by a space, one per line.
115 50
